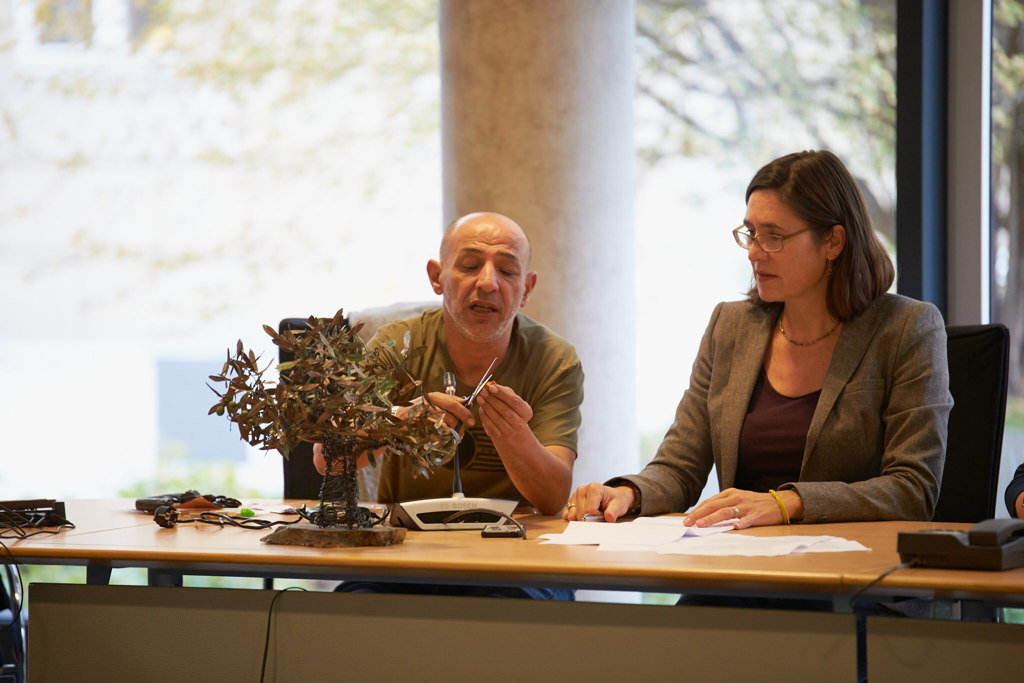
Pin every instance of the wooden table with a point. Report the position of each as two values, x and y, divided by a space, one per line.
110 534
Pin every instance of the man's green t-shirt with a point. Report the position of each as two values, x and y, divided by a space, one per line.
541 367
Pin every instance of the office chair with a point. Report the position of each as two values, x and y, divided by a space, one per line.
301 480
978 365
12 637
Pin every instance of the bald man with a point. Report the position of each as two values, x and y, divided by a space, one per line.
520 441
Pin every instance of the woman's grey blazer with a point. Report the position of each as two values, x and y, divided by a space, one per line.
877 441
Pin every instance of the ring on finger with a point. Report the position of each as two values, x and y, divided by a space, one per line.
735 511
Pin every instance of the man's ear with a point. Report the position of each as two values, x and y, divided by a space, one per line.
531 282
434 274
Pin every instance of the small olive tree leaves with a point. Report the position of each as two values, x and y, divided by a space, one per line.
333 385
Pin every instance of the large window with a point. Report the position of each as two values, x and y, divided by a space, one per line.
175 174
1008 212
723 88
172 176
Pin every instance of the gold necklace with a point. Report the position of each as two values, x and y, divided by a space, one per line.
810 343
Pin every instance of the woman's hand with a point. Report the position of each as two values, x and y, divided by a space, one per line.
749 509
598 499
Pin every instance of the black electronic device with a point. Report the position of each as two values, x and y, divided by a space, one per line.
209 502
457 512
994 544
26 514
502 531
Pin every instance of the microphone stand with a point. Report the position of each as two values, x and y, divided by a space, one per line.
438 514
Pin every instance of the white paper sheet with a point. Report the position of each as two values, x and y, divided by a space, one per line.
756 546
667 536
644 531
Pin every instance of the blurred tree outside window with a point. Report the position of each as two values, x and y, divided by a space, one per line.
174 174
724 87
1007 222
64 21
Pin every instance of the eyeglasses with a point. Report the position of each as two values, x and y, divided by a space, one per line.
768 242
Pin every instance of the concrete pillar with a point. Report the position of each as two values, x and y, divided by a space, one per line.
537 124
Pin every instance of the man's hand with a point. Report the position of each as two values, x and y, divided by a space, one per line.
503 414
439 403
598 499
543 474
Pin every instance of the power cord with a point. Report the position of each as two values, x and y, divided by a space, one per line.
169 517
901 565
270 616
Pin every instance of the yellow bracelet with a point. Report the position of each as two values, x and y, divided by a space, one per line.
782 507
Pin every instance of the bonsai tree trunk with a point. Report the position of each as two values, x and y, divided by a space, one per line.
339 493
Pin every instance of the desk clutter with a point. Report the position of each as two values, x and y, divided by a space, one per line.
24 516
189 499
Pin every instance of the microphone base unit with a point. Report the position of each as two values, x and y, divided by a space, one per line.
430 514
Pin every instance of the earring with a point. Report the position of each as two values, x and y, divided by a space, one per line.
828 270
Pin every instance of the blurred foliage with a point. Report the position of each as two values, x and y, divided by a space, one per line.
64 21
299 47
135 576
1015 412
182 475
1008 178
721 79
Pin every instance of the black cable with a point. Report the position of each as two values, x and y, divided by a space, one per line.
21 534
469 511
220 519
266 640
17 525
901 565
168 517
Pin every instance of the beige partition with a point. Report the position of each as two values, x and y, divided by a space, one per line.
901 650
135 633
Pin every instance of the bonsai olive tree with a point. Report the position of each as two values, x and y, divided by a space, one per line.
340 393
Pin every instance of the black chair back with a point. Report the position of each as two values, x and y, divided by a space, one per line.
978 365
301 480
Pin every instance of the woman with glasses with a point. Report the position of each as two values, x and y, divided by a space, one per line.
819 398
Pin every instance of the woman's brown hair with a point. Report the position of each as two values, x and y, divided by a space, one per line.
818 187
